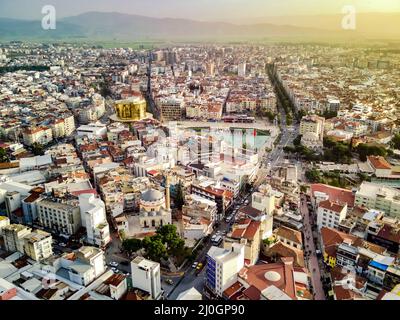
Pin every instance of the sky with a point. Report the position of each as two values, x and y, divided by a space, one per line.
204 10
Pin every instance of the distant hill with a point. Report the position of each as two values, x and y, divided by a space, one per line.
12 29
118 26
384 25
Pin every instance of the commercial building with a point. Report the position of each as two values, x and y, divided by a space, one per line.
131 109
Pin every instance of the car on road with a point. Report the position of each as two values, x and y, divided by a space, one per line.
115 270
194 265
62 244
114 264
169 281
199 266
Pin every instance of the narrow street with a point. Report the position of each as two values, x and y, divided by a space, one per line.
312 259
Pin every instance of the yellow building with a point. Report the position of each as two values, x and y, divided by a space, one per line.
132 109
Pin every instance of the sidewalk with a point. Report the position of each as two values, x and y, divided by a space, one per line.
312 261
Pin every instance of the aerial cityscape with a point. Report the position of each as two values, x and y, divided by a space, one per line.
153 158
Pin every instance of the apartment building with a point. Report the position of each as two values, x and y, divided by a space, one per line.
14 237
172 108
93 217
312 124
247 233
223 266
38 245
58 216
330 214
42 135
4 222
146 275
376 196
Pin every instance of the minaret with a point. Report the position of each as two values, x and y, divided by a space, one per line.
167 194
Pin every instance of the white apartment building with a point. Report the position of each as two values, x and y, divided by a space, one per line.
59 217
223 266
91 113
4 222
93 257
38 245
264 200
14 237
330 214
312 124
242 69
376 196
41 135
93 217
146 276
69 125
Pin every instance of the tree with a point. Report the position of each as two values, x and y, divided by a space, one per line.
3 156
169 235
297 140
156 249
365 150
132 245
179 199
313 175
37 149
395 143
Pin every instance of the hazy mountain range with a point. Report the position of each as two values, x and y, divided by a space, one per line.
117 26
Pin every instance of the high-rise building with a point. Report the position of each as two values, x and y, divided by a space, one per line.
59 217
93 217
313 124
242 69
210 69
146 276
223 266
14 237
172 108
376 196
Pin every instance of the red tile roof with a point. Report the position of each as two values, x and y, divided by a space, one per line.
335 194
289 234
379 162
332 206
279 274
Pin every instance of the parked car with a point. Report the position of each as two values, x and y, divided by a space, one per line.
114 264
194 265
169 281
